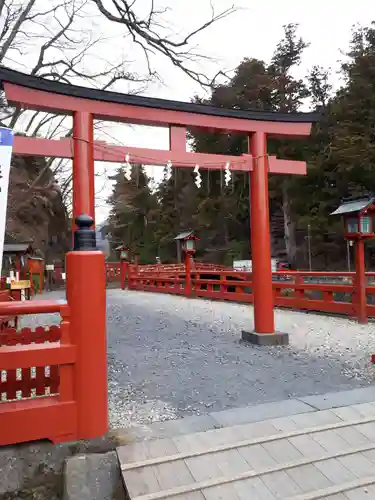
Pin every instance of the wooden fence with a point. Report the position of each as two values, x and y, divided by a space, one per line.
311 291
53 380
37 374
113 269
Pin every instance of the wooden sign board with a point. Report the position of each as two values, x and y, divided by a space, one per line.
20 285
36 265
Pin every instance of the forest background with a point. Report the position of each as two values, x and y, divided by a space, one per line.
340 155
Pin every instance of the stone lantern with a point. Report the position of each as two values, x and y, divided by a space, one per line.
359 219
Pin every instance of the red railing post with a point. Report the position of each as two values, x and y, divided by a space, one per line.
360 281
123 273
188 288
86 294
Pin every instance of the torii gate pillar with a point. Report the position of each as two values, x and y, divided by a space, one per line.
83 164
264 325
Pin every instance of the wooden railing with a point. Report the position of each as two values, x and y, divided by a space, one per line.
113 272
53 380
167 268
311 291
37 375
6 321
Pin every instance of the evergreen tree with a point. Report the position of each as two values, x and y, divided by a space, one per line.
340 154
130 221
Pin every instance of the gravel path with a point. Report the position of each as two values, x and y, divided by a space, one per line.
170 357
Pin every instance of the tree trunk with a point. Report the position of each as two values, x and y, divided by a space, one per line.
179 252
289 227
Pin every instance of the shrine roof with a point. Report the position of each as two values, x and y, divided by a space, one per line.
17 247
33 82
352 206
184 235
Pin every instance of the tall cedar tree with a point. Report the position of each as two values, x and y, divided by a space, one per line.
130 220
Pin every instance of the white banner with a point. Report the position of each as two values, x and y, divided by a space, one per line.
6 145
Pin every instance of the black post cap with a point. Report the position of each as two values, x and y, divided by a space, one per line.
84 236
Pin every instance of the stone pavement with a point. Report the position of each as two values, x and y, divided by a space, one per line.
297 449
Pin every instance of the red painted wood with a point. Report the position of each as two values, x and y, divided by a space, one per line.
279 166
85 271
113 272
188 270
41 363
360 281
177 139
260 237
292 293
50 102
83 164
63 148
27 356
35 419
27 307
5 321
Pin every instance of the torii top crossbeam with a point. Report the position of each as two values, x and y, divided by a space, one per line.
31 92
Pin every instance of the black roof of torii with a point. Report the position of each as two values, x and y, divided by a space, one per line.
36 83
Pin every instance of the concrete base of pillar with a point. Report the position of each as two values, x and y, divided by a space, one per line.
266 339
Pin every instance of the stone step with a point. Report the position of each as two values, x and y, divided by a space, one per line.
323 453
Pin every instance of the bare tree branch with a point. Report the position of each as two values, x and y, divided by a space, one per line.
53 39
15 28
146 36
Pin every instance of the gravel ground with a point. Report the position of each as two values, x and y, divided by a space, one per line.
170 357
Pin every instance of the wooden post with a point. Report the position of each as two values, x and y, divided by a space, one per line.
188 289
264 326
360 281
123 272
86 293
260 237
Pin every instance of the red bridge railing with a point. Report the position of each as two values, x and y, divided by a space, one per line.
113 269
37 375
53 382
331 292
113 272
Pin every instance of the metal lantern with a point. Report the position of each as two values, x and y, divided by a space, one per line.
351 225
124 252
358 215
186 242
124 255
189 245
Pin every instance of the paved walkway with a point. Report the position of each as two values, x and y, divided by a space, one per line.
299 449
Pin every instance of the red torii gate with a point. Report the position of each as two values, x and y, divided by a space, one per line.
86 104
